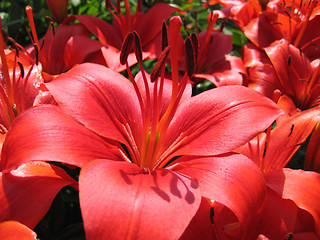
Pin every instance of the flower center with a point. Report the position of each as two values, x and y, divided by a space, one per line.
155 125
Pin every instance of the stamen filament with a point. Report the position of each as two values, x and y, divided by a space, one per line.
5 69
205 46
128 15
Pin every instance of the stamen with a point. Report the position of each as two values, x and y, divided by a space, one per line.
190 56
196 21
222 26
305 23
53 28
125 48
5 70
128 15
107 2
289 60
195 44
36 48
21 69
289 236
146 170
138 6
32 26
137 46
185 27
206 42
164 35
291 130
118 7
155 73
211 214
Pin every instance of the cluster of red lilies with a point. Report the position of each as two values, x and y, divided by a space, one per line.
157 162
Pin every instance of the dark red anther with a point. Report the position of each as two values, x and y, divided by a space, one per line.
195 43
289 60
107 4
211 214
36 49
21 69
125 48
164 36
137 46
190 56
222 26
155 73
118 6
289 236
139 6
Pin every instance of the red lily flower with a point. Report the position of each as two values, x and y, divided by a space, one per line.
147 25
289 70
145 180
62 47
212 61
265 22
271 152
286 69
20 85
11 230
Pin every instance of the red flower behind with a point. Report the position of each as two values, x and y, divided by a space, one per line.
147 25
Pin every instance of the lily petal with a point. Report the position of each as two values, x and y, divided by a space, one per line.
149 24
233 114
47 133
12 230
101 99
300 186
26 193
122 201
286 138
232 180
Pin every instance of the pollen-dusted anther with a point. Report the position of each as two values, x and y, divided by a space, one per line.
161 60
125 48
137 46
21 69
36 49
190 56
164 36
